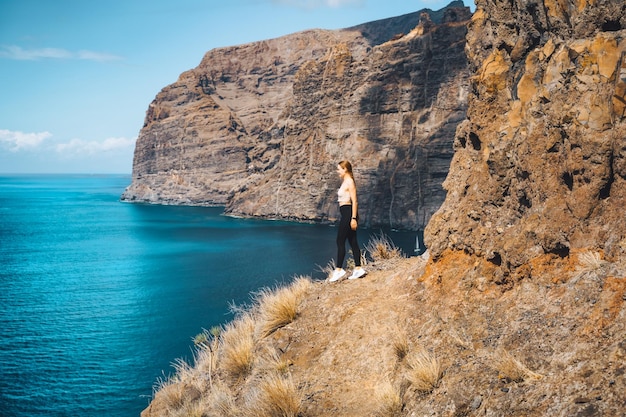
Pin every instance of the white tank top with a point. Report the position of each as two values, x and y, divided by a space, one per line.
343 195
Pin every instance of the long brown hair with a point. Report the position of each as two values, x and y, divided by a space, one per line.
348 167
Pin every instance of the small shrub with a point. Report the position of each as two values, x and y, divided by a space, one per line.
381 248
301 286
172 394
207 337
400 345
237 347
350 264
424 370
389 401
512 369
181 391
205 360
271 361
280 307
200 339
275 396
591 266
215 331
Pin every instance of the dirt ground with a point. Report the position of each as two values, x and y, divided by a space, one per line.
568 341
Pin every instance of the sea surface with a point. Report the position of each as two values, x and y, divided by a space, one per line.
98 298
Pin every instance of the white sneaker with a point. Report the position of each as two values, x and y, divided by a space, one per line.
337 274
357 273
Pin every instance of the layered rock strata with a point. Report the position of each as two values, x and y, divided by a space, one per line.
540 165
259 128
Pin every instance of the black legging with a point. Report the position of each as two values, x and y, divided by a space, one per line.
345 232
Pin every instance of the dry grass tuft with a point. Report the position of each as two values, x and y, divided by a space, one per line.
184 371
179 398
389 400
423 370
172 394
328 269
279 307
301 286
381 248
350 264
591 266
271 361
177 390
275 396
512 369
222 402
400 345
237 347
192 409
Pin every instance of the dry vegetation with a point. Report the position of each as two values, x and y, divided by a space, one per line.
389 399
236 350
409 341
379 253
275 396
234 372
512 369
280 306
591 266
381 248
400 344
423 370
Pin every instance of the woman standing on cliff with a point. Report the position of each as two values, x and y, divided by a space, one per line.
348 207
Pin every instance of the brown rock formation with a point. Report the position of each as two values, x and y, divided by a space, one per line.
540 165
260 127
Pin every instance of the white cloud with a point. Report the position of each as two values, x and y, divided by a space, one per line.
83 147
314 4
340 3
17 141
20 54
96 56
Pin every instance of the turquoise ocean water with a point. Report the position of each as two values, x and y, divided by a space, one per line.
99 297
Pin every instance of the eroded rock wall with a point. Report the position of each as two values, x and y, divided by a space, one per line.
259 128
540 165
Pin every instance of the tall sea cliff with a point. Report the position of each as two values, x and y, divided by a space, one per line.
259 128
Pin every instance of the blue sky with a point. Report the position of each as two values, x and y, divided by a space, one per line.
77 76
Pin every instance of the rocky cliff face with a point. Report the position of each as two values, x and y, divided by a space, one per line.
259 128
540 164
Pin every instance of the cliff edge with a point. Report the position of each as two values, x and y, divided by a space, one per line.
406 341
